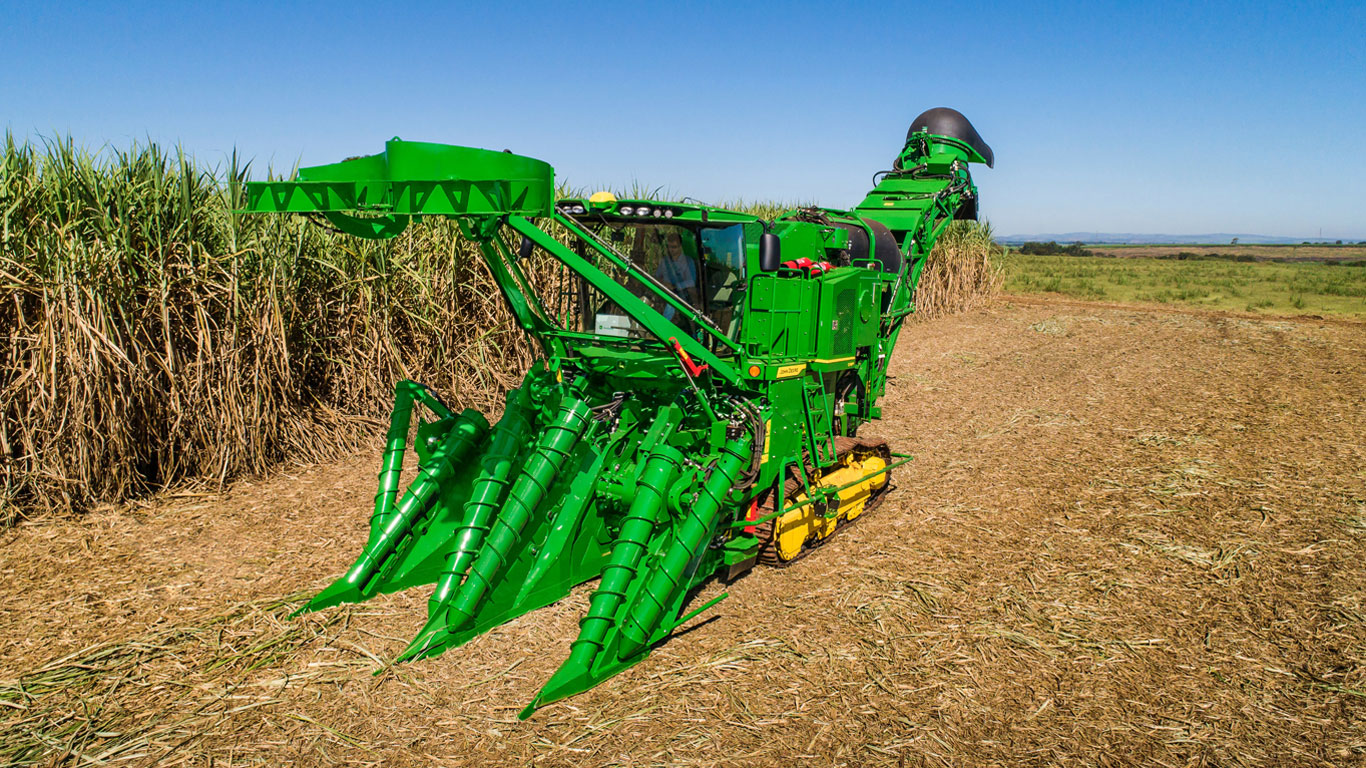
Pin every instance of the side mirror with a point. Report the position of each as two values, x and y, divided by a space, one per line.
525 248
770 252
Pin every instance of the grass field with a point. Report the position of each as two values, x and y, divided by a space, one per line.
1300 288
1346 252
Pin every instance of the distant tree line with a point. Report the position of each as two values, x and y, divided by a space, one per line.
1185 255
1051 248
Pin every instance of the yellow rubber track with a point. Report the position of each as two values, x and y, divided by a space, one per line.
789 537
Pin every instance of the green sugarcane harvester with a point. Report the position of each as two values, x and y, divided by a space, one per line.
697 407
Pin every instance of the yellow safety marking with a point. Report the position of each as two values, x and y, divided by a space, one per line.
768 440
789 370
835 360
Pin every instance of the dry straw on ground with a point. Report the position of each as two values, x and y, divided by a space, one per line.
1128 538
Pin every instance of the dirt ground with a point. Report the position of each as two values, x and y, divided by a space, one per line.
1130 537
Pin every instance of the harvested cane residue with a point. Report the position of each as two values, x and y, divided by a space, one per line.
1129 538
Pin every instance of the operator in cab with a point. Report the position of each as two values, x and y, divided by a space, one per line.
678 271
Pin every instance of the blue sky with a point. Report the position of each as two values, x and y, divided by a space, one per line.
1119 117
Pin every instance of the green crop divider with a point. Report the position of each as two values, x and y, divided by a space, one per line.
406 394
460 441
605 645
363 579
660 472
526 494
490 489
663 585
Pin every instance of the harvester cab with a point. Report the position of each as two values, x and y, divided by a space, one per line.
696 410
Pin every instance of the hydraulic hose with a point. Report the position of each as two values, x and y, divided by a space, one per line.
555 445
691 535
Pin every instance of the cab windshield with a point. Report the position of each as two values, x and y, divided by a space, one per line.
702 265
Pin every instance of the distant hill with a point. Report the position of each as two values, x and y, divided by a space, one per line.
1111 238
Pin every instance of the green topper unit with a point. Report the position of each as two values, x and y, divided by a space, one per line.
697 408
